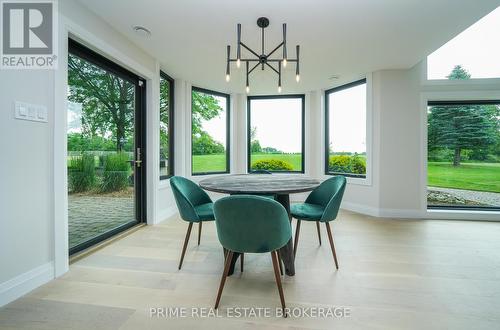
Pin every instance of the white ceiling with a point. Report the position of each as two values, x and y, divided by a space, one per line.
347 38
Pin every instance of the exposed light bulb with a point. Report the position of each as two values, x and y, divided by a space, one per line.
248 89
228 77
284 62
279 89
238 63
297 78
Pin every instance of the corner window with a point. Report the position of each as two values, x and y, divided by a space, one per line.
276 133
345 130
463 154
166 126
209 132
474 51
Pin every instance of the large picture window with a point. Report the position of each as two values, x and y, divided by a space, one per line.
463 143
166 126
474 51
276 133
345 130
210 132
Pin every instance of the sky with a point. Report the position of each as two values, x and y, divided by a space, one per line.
216 127
278 123
347 119
477 49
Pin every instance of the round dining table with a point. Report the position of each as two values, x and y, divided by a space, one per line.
279 185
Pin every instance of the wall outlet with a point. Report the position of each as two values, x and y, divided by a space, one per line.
31 112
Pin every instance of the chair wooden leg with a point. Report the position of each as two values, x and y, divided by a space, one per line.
188 233
279 262
199 232
319 233
330 237
241 260
229 257
296 242
274 256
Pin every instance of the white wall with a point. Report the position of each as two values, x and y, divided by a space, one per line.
26 191
33 223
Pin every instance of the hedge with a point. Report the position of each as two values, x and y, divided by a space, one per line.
272 165
347 164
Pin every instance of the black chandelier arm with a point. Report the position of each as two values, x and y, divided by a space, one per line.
269 65
244 60
275 49
256 65
281 60
249 49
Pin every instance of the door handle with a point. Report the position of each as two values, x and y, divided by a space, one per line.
138 160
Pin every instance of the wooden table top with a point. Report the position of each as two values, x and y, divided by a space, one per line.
259 184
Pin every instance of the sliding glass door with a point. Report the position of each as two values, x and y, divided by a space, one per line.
106 155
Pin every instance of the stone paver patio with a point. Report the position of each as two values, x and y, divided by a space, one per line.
480 197
90 216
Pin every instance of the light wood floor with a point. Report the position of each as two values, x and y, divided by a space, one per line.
394 274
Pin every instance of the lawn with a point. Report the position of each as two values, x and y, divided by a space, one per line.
217 162
469 176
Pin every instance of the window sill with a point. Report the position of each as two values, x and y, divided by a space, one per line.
463 215
469 82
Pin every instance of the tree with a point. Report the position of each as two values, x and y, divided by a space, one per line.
461 126
204 144
108 101
204 108
254 143
164 117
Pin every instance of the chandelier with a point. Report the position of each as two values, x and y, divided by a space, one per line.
263 60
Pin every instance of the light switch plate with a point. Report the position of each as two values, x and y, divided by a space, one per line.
31 112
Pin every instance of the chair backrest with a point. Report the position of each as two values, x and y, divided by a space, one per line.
329 195
188 195
254 224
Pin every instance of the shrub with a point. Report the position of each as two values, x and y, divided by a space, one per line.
347 164
81 173
272 165
116 172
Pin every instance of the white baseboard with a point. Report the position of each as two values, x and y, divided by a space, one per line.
360 208
166 214
24 283
383 213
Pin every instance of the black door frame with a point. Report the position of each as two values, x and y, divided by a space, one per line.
83 52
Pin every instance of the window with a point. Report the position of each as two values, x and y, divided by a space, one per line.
209 132
463 153
474 53
276 133
345 130
166 126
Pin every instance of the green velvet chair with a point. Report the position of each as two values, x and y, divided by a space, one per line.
322 205
194 205
251 224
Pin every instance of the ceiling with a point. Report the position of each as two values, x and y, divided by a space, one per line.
346 38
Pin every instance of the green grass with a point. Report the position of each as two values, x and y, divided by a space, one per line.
470 176
217 162
209 163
